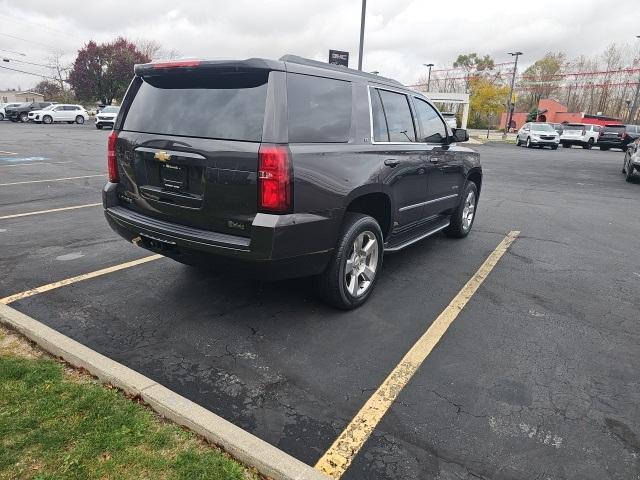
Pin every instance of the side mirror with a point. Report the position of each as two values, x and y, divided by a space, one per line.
460 135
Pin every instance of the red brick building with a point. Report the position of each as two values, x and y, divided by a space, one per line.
554 112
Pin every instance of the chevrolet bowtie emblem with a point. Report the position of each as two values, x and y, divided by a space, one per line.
162 156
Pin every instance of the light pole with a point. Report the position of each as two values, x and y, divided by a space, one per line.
513 82
634 106
428 65
364 11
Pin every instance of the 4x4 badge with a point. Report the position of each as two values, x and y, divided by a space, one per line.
162 156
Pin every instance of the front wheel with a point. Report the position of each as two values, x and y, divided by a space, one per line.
589 144
629 171
353 270
462 219
99 127
47 119
79 119
24 117
529 143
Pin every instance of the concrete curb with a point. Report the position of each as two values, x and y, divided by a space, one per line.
247 448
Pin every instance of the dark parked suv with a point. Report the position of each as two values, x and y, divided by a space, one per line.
615 136
21 112
285 168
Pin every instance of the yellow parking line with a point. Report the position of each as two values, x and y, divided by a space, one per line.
50 180
339 456
78 278
16 215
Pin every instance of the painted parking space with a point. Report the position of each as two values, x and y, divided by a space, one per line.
535 375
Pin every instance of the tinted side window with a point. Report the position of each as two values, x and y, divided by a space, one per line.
380 131
319 109
433 130
398 115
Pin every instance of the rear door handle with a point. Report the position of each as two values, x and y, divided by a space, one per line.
391 162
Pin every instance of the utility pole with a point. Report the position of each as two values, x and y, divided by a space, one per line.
428 65
636 97
364 11
513 82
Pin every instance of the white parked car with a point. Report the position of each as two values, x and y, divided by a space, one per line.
107 117
60 112
3 106
585 135
538 134
450 119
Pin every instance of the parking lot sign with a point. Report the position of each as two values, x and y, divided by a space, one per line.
336 57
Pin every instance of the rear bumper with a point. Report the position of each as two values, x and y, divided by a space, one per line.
612 144
280 246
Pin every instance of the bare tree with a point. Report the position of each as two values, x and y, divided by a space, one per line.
154 50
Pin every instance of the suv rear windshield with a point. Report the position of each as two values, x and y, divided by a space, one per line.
229 107
574 127
613 128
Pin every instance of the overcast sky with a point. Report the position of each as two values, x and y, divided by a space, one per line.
400 36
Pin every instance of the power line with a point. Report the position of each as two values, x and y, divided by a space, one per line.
38 25
29 63
31 73
25 40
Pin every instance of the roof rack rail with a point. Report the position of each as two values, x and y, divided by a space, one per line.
338 68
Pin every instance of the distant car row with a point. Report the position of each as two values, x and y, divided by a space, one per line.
538 134
49 112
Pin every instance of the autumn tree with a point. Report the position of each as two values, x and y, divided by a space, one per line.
543 78
474 66
50 89
103 72
486 100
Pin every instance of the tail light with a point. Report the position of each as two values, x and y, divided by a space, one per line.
274 179
584 131
112 163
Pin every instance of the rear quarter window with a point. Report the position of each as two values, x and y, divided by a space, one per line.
229 107
319 109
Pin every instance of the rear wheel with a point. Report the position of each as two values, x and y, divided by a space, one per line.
566 145
24 117
589 144
47 119
604 148
353 270
462 219
79 119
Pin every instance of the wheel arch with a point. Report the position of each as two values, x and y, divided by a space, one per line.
475 176
376 204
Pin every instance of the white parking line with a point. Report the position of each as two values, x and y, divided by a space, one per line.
51 180
27 214
27 164
2 152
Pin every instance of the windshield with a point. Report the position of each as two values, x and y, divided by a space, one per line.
542 127
614 128
110 110
49 107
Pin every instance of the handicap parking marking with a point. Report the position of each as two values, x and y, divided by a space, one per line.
52 210
337 459
76 279
51 180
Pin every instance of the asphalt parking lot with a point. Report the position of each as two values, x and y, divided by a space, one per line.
537 378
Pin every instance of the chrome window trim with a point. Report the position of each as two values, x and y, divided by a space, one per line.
421 204
414 120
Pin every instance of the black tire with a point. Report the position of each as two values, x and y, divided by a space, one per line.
99 127
332 283
47 119
554 147
604 149
629 171
24 117
528 144
517 141
458 228
589 144
566 145
79 119
1 117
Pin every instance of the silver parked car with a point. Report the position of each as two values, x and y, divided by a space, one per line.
538 134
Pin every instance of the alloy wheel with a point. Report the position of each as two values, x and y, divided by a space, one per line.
361 264
468 211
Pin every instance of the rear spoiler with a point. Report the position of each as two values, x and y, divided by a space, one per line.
192 65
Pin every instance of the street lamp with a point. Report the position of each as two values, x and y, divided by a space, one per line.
634 106
428 65
364 11
513 82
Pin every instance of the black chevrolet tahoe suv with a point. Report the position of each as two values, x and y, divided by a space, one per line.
285 168
21 112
